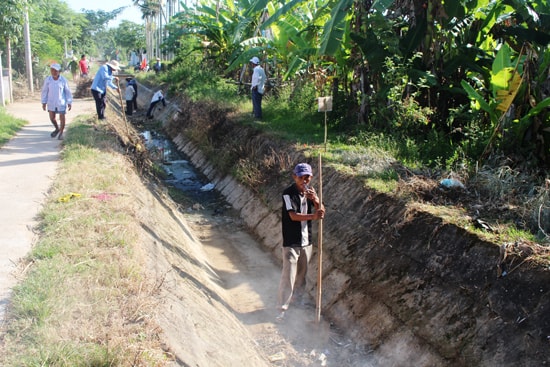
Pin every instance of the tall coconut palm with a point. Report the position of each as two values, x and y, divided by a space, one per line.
150 10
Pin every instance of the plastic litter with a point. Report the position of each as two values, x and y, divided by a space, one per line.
104 196
69 196
277 357
451 183
323 359
208 187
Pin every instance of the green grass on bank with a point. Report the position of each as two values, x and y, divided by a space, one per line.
9 126
384 157
83 301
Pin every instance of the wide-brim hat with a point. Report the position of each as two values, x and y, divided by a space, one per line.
114 65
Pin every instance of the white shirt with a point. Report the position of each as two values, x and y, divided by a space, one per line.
258 79
157 96
56 93
130 92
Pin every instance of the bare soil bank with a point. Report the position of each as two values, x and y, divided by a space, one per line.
411 288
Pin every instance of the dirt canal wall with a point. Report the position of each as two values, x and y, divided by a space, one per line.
399 280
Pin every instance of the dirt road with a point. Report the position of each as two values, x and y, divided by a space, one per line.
27 167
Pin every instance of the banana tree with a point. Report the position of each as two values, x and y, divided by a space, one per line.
523 32
221 26
292 32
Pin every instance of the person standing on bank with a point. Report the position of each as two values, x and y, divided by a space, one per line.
129 95
158 66
301 206
56 98
103 78
133 83
258 85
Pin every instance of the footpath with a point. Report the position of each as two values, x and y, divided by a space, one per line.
28 165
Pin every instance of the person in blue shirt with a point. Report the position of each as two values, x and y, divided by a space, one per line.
103 78
56 96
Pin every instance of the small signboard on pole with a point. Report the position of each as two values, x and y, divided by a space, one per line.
325 104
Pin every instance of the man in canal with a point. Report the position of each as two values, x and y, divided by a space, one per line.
157 98
301 206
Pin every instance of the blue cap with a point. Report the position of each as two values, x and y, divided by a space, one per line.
303 169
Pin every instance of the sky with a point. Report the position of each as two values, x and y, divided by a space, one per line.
131 13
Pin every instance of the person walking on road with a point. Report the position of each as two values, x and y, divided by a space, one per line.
257 88
56 98
104 78
83 65
301 206
73 66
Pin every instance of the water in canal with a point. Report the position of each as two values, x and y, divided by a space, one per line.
180 173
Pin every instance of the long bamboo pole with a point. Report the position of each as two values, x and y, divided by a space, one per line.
122 109
319 249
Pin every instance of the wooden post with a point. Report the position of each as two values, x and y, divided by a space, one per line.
325 132
319 249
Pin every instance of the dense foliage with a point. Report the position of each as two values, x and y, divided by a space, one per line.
58 32
470 77
459 79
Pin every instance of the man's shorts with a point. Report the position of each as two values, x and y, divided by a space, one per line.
61 112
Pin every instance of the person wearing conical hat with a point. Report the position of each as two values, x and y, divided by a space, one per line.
104 78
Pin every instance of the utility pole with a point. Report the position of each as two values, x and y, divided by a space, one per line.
28 56
2 82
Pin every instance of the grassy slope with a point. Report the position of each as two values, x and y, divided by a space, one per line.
84 300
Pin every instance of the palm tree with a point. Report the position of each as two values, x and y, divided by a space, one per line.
150 9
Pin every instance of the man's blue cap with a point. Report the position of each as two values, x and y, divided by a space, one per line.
303 169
